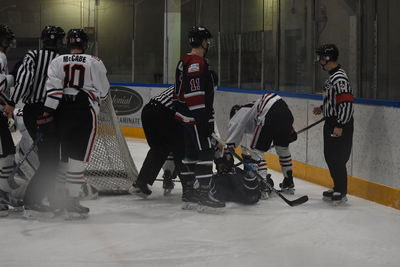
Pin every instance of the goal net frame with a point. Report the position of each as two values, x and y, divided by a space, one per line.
111 169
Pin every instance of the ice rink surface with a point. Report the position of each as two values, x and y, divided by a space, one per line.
129 231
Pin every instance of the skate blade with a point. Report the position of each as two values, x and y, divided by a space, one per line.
36 215
327 199
137 192
72 216
209 210
339 202
189 206
288 191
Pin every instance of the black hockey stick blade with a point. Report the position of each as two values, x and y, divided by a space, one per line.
296 202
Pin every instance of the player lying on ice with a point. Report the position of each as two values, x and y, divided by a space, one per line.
230 184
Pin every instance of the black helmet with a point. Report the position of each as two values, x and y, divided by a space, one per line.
329 52
7 37
51 35
197 34
77 38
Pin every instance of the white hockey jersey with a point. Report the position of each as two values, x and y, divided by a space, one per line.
250 118
68 74
6 80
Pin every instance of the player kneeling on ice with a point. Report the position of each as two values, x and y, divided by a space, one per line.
266 120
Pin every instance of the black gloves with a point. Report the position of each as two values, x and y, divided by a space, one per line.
224 164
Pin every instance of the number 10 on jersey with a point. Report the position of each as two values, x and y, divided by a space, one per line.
74 76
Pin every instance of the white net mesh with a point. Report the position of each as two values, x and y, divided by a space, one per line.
111 169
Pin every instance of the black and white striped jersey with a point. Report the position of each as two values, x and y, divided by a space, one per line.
165 98
32 75
338 97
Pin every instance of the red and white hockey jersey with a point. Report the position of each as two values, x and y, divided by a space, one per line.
71 73
250 118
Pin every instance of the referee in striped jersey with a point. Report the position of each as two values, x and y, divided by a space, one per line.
338 111
164 135
32 76
30 89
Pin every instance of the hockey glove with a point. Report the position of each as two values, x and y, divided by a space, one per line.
225 163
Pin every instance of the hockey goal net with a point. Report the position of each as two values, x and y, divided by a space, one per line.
111 169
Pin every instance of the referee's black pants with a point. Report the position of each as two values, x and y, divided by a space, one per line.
42 182
337 152
164 135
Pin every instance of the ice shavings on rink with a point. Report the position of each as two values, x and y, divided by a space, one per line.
128 231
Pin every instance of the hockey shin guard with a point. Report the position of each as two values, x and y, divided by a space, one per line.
6 169
285 160
75 177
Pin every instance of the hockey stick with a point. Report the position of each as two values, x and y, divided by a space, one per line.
311 125
11 180
298 132
173 180
291 203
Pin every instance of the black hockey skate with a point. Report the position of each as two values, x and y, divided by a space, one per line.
7 200
327 195
190 196
74 210
208 202
264 188
338 198
37 211
140 189
168 183
287 185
